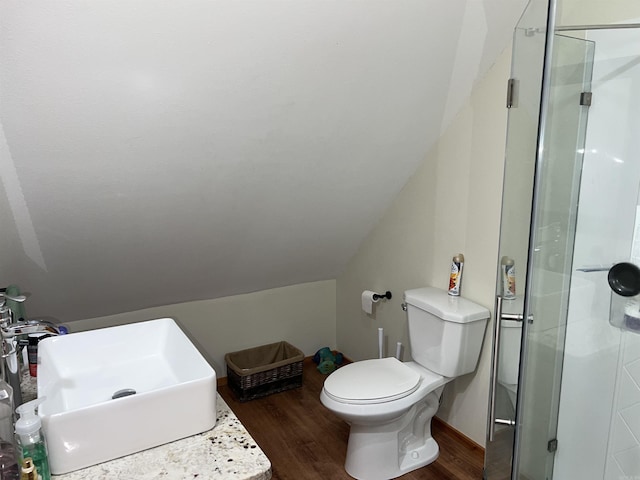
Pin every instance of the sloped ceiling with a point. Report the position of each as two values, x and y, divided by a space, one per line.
155 152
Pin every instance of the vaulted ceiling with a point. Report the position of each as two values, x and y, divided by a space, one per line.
155 152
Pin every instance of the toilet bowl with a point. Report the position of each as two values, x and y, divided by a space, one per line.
390 424
382 399
389 404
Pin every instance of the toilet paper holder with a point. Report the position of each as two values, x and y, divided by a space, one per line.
369 298
378 296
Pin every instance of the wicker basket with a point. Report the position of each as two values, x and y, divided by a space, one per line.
261 371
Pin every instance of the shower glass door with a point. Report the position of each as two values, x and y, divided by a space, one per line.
558 171
528 355
520 153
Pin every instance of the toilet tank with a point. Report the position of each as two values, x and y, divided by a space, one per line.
445 332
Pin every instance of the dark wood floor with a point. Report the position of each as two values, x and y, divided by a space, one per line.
304 441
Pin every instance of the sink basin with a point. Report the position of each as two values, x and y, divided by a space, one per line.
175 392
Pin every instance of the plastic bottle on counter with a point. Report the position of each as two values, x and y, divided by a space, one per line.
31 442
32 352
32 349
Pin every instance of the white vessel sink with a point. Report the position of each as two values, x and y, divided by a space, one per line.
79 373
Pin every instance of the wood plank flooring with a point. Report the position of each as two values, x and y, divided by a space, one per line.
304 441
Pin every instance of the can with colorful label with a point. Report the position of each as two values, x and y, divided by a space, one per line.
508 278
455 279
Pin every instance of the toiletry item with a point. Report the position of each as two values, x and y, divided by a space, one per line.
32 351
8 454
508 271
455 279
29 470
32 355
31 442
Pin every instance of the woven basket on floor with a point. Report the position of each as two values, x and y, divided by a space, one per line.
261 371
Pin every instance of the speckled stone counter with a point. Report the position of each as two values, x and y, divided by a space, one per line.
226 452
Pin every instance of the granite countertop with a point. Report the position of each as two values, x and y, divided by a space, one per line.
225 452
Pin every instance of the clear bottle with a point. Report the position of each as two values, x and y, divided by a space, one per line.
30 438
9 469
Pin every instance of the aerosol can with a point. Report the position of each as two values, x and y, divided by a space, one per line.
455 279
508 278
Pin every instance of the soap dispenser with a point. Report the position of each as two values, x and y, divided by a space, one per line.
30 437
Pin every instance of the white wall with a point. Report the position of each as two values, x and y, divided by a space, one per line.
304 315
450 205
589 12
10 242
200 149
623 455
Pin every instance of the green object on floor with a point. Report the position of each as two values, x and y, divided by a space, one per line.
327 360
327 367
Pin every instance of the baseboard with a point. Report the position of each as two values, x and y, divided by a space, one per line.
458 434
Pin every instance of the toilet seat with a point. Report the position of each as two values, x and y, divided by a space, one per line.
372 381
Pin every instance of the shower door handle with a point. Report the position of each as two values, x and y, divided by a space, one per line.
495 358
518 317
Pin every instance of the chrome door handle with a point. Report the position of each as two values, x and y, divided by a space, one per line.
518 317
505 421
495 357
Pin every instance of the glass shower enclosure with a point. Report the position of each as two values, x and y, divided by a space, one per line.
565 388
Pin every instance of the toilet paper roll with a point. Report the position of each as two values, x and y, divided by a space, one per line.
368 301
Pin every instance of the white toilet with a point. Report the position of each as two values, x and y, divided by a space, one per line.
389 404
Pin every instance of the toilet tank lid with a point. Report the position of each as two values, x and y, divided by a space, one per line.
439 303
